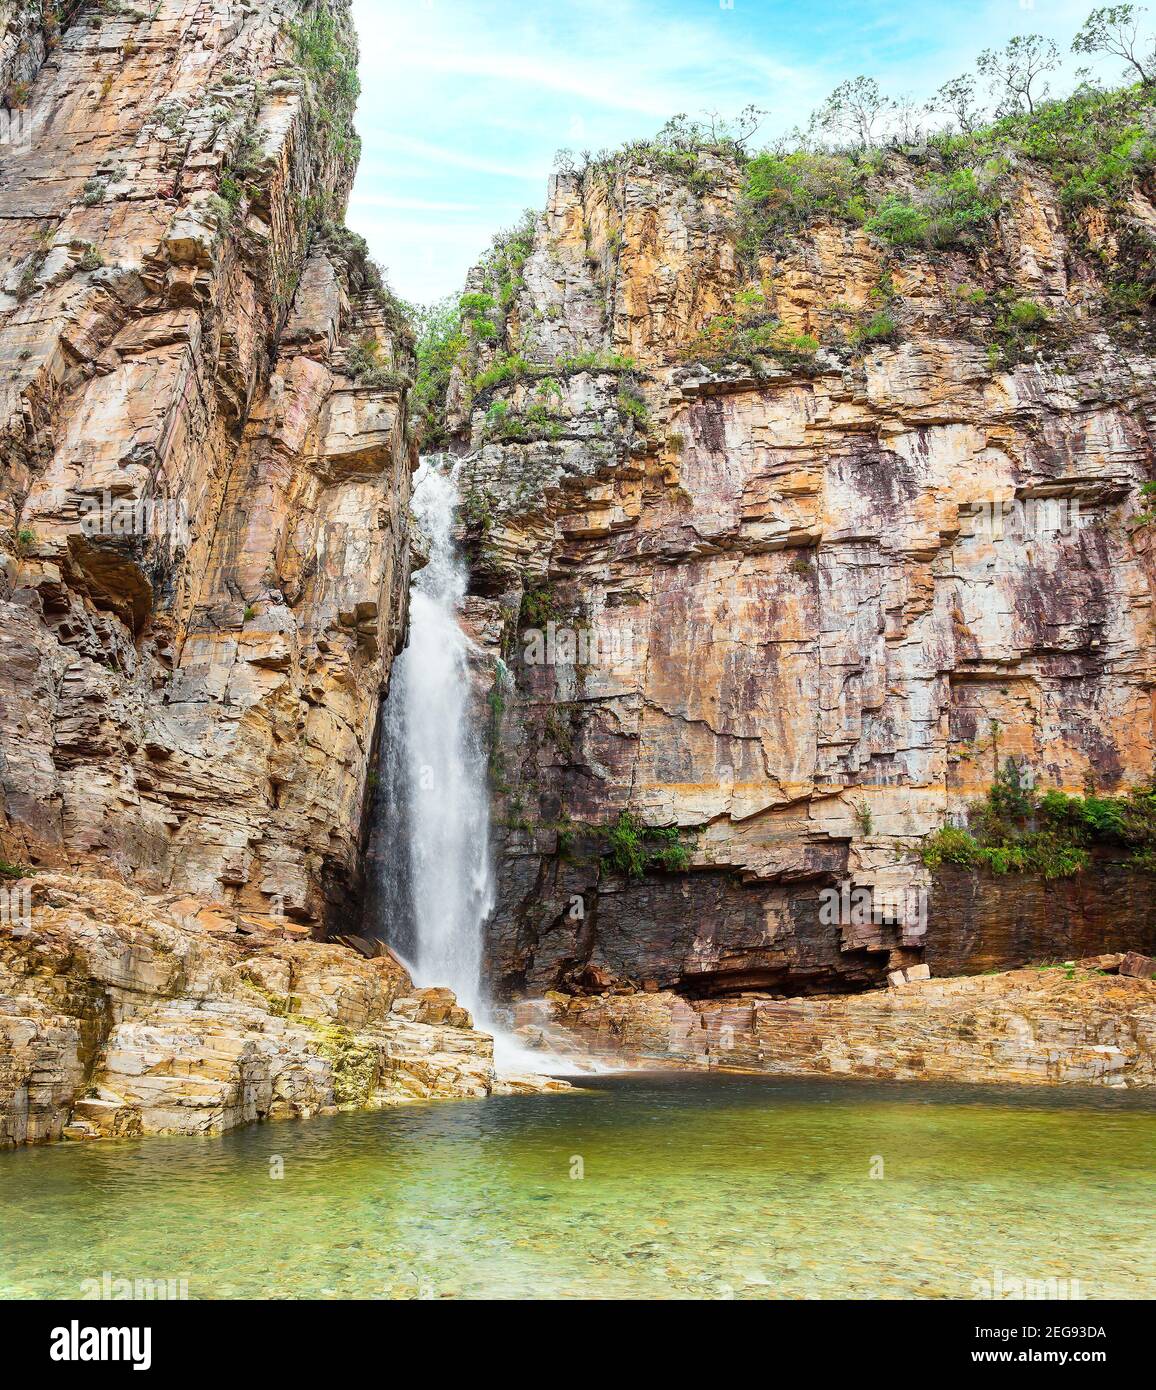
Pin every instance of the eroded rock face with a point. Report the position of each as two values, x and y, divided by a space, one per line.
1064 1027
813 639
122 1014
189 699
204 568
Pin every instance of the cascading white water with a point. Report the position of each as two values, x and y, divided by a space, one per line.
432 838
439 883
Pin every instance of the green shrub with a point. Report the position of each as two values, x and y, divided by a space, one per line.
949 210
1015 831
625 840
783 192
632 405
504 368
504 262
439 348
504 423
331 68
1128 296
1097 146
1148 515
634 847
881 327
484 311
594 361
320 52
366 365
898 222
231 191
669 853
1027 315
749 338
476 313
537 607
951 846
1019 326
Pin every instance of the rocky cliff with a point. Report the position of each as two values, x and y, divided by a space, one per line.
795 531
203 550
123 1013
1079 1025
755 456
204 566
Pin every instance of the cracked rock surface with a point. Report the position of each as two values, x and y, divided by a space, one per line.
812 644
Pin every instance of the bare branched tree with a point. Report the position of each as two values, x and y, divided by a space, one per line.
853 111
908 121
1015 73
738 130
1116 30
957 100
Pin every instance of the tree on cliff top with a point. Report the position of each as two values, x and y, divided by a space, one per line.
853 111
1115 30
1015 72
957 100
440 343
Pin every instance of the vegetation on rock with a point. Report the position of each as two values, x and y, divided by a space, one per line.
440 343
1015 829
635 847
329 59
936 177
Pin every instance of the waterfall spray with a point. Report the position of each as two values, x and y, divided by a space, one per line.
439 883
433 832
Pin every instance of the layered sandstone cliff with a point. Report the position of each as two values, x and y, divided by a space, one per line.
805 649
203 542
123 1013
744 636
1077 1026
204 565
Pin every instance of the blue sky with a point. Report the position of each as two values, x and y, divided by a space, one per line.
464 102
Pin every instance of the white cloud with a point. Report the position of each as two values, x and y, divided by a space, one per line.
464 102
428 153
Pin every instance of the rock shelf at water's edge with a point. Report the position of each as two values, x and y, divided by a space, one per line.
123 1014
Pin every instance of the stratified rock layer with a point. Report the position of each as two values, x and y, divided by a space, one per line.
126 1014
204 567
190 700
1069 1026
809 648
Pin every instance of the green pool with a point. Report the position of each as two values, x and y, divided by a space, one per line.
647 1186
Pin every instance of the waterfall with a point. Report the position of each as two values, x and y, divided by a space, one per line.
438 880
431 838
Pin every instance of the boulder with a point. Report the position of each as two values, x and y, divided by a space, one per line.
1137 966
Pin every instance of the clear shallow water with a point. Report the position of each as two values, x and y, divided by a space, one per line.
694 1186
